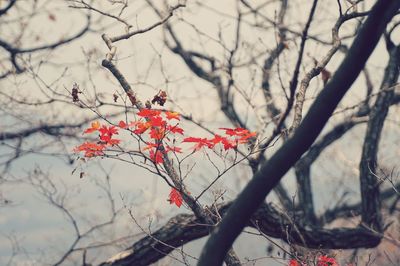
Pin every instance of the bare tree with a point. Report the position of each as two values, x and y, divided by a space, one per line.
260 67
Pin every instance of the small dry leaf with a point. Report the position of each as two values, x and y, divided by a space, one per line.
74 93
132 97
148 104
160 98
52 17
115 97
325 75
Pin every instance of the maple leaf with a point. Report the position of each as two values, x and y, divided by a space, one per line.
106 134
294 262
148 113
175 197
156 157
93 127
326 261
235 131
113 142
201 142
157 134
141 127
91 149
173 149
245 138
231 131
150 146
157 121
111 130
122 124
175 129
228 144
243 134
172 115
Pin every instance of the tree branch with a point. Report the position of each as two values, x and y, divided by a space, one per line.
271 172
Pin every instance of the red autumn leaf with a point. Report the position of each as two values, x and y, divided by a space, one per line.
111 130
294 262
201 142
235 131
172 115
94 127
232 131
243 134
173 149
326 261
106 134
91 149
148 113
217 139
175 197
150 146
122 124
156 157
156 133
228 144
113 142
141 127
245 138
157 121
175 129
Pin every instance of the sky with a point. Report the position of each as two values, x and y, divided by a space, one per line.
43 231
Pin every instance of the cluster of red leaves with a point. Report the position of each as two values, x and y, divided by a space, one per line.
158 127
322 261
156 124
234 136
106 139
157 130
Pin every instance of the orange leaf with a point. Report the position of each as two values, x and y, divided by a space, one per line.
148 113
141 127
91 149
150 146
94 127
172 115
